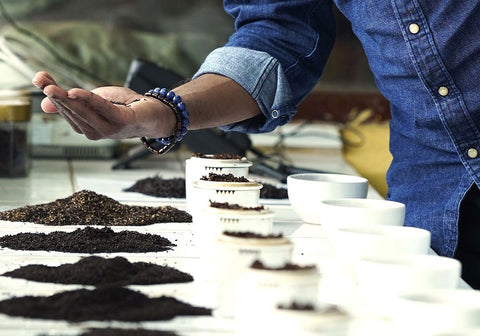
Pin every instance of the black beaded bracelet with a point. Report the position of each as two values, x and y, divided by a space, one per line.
169 98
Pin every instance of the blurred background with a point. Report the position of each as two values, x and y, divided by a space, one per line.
92 43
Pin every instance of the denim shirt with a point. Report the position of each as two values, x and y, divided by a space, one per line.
425 57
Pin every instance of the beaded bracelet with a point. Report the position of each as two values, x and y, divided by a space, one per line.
179 108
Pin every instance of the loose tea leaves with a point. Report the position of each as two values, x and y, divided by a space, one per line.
159 187
89 208
98 271
250 234
231 206
269 191
87 240
124 332
100 304
257 264
297 306
175 188
224 178
221 156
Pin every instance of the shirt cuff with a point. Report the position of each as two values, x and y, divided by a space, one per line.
262 76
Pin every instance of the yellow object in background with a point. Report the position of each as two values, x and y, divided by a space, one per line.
366 148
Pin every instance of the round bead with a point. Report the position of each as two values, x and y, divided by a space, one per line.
170 95
177 100
162 92
156 90
181 106
185 114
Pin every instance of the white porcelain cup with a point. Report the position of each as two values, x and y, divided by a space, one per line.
246 194
325 319
306 191
262 290
356 242
381 279
209 224
436 312
475 331
234 255
343 212
197 167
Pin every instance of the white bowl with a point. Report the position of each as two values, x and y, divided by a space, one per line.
461 332
196 167
209 224
382 279
356 242
246 194
306 191
437 312
344 212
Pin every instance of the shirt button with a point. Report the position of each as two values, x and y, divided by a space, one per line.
275 114
414 28
472 153
443 91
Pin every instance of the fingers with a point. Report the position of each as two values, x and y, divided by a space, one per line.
105 113
58 100
47 106
79 99
94 116
108 116
43 79
63 112
76 112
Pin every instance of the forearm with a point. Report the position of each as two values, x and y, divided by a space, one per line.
215 100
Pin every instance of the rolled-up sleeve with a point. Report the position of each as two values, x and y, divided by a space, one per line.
277 54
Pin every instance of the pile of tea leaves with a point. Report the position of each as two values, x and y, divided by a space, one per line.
99 271
100 304
159 187
89 208
122 332
87 240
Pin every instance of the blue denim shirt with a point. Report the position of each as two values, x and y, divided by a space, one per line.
425 56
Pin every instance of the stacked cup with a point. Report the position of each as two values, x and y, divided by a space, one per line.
220 217
200 165
230 227
284 300
235 252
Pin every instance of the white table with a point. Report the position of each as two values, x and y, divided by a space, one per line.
53 179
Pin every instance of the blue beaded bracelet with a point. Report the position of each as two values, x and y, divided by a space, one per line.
179 108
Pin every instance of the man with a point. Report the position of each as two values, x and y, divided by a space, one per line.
425 59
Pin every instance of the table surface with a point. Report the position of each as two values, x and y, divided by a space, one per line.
53 179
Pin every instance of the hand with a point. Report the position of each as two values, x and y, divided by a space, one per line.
106 112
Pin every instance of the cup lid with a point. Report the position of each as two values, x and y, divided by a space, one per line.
15 109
